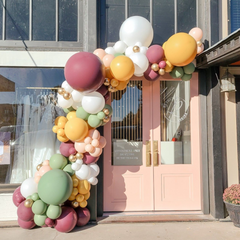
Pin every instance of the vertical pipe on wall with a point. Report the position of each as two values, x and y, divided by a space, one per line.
175 16
30 20
4 19
57 12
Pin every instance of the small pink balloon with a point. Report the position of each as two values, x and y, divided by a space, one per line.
162 64
96 153
87 158
100 53
45 163
17 197
200 49
107 59
25 213
37 179
150 75
67 148
44 169
94 134
26 225
95 142
50 222
196 33
80 147
102 142
88 140
155 54
89 148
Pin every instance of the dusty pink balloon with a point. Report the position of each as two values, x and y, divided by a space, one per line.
67 148
17 197
150 75
25 213
83 216
103 90
50 222
26 225
162 64
155 54
88 159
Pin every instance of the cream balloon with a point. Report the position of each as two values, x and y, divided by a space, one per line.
63 102
119 47
67 87
140 63
28 187
110 50
77 96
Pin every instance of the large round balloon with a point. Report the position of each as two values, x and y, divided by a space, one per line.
25 213
122 68
67 221
76 129
83 216
55 187
180 49
28 187
26 225
136 29
84 71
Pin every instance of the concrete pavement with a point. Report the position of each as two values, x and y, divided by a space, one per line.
131 231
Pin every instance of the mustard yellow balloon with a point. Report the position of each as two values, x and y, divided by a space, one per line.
122 68
122 85
71 115
76 129
180 49
169 67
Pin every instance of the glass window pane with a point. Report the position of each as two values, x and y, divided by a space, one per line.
17 20
115 16
44 20
139 8
127 125
214 5
163 20
186 15
68 18
235 14
175 122
27 113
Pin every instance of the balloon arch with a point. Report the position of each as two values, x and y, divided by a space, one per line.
57 195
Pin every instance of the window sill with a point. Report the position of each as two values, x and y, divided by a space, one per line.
8 188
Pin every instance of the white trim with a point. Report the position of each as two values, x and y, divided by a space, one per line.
8 211
34 58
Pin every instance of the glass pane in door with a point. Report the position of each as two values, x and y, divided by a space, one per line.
175 122
127 125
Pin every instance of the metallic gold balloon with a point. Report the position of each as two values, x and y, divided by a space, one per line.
111 88
72 158
75 204
67 95
61 91
79 156
136 49
38 167
161 71
28 203
106 82
106 119
199 43
106 111
155 67
114 82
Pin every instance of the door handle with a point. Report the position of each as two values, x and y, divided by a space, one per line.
155 153
148 153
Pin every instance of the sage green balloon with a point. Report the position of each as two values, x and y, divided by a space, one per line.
101 115
39 207
68 169
39 219
81 113
55 187
189 69
35 197
58 161
177 72
186 77
53 211
94 121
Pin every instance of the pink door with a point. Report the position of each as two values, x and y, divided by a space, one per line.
152 157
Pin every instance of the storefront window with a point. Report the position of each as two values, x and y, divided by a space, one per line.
28 108
127 125
175 122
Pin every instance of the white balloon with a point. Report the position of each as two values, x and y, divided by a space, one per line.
140 63
67 87
63 102
77 96
143 50
28 187
129 51
75 166
93 180
93 102
94 170
76 105
110 50
136 29
83 173
120 47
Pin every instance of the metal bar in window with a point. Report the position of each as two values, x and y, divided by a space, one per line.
30 20
57 20
126 9
197 13
175 16
4 20
151 11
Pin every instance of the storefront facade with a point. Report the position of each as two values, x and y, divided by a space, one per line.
159 155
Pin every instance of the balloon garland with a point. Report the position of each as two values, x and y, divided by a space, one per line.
57 195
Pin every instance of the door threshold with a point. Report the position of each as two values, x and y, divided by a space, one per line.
153 216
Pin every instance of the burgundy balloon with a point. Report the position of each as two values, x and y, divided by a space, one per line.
26 225
67 148
67 221
150 75
50 222
103 90
155 54
107 96
17 197
83 215
84 71
87 158
25 213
